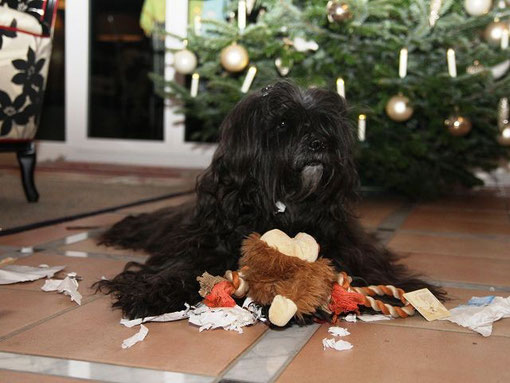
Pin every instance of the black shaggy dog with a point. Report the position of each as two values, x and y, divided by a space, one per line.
280 144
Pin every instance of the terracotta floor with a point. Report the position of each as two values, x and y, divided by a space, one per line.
462 243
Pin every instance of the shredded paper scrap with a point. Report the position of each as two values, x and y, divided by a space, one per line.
480 313
68 286
138 337
339 345
18 273
228 318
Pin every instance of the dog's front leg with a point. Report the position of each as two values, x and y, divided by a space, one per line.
145 290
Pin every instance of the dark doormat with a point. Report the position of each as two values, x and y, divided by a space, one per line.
66 196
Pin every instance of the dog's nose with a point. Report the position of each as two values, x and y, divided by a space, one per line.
317 145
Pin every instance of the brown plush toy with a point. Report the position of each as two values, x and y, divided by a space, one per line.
285 274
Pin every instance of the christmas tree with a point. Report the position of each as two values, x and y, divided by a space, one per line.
423 78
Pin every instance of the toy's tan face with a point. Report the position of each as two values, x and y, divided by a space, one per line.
302 246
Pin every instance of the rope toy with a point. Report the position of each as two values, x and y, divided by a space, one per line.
369 291
286 274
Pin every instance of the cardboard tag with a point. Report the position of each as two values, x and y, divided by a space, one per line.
427 304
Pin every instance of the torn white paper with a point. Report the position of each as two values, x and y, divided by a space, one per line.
17 273
339 345
338 331
168 317
228 318
480 318
254 308
138 337
350 318
373 317
68 286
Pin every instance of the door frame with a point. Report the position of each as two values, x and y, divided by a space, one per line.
173 150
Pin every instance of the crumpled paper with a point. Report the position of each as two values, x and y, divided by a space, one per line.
68 286
339 345
479 316
138 337
18 273
338 331
228 318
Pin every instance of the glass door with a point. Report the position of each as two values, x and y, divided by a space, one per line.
122 101
112 114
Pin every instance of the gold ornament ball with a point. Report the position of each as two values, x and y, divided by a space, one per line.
234 58
399 109
458 125
494 32
338 11
504 137
475 68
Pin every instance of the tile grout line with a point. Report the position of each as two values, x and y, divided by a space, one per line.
82 369
455 234
48 318
251 358
459 331
389 226
470 286
36 374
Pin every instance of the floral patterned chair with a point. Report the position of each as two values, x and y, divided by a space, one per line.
25 49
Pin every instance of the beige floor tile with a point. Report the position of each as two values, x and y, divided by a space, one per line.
148 207
54 232
458 221
89 269
20 308
372 212
90 245
97 336
398 354
457 297
457 268
451 245
26 377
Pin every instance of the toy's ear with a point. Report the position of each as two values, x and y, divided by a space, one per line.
302 246
280 241
306 247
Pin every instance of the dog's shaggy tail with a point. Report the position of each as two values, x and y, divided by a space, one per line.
142 290
133 232
146 231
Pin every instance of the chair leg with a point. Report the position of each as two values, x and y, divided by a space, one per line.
26 159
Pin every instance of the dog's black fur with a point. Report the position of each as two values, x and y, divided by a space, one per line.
278 144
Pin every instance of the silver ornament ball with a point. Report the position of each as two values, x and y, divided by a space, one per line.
477 7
